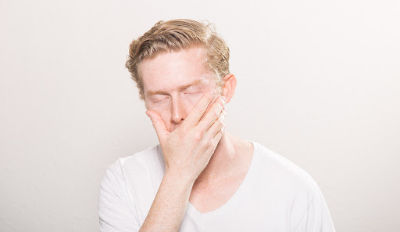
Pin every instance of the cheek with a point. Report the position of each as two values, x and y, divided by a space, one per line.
192 98
165 115
162 109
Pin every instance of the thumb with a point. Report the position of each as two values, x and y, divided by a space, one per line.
158 124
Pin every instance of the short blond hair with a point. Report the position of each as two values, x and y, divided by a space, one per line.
174 35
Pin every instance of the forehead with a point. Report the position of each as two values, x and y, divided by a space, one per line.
170 70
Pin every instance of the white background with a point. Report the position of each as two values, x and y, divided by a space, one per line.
318 82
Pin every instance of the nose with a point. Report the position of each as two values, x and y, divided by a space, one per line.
178 111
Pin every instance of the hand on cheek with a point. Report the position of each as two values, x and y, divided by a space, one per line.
214 94
189 147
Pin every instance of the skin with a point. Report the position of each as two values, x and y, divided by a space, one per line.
204 164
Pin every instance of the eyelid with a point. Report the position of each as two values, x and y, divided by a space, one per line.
159 98
192 88
191 92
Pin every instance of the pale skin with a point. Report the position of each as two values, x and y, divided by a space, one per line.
204 164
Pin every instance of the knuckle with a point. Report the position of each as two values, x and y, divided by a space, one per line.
198 135
204 143
218 124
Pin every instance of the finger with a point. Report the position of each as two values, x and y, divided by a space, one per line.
216 127
195 115
215 141
215 111
158 124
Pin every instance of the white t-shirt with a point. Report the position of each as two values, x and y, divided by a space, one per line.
275 195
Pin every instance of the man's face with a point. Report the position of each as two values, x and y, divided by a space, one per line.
174 82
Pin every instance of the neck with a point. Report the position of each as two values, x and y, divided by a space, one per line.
225 160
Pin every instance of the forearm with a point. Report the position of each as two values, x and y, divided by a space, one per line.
168 208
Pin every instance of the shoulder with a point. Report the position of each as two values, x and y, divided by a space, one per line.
133 180
135 168
120 199
148 155
139 161
296 189
282 172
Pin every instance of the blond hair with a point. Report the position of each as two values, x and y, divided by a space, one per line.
174 35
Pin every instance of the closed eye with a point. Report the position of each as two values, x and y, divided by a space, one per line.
159 99
192 90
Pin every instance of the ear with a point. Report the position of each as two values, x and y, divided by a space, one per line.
228 90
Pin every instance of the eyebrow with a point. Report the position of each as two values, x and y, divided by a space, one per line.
180 88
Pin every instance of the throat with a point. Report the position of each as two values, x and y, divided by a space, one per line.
222 162
224 174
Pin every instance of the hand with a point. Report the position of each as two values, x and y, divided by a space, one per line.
188 149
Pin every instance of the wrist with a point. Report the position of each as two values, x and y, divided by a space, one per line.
179 177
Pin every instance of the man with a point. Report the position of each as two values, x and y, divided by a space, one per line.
200 177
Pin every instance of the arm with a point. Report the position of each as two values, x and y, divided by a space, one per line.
186 151
168 208
117 212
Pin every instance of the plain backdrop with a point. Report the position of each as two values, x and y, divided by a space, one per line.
318 82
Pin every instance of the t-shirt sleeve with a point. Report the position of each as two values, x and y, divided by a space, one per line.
314 215
117 211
